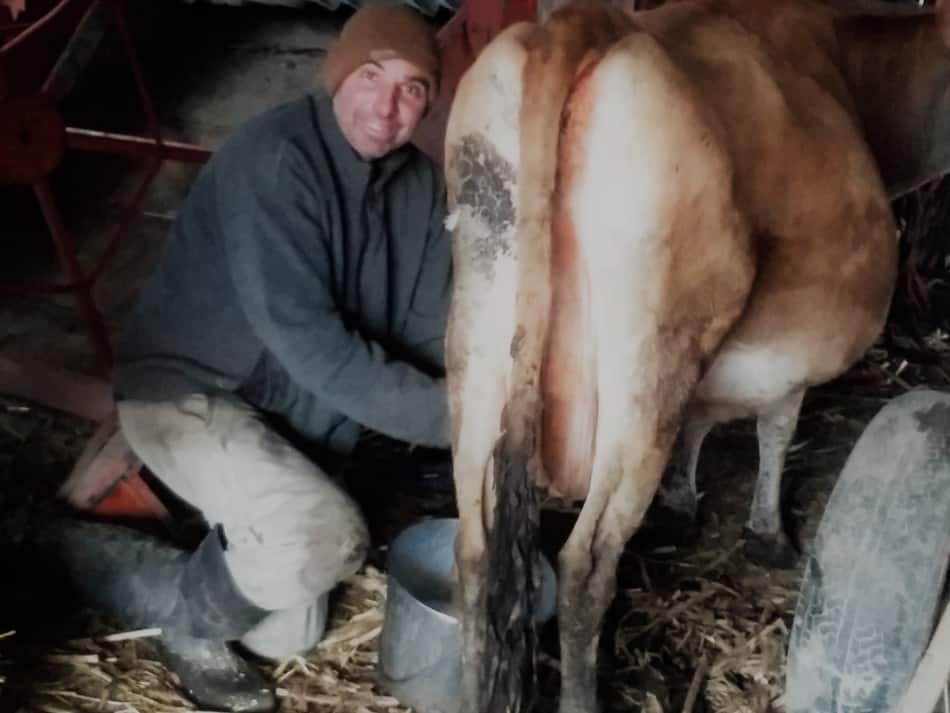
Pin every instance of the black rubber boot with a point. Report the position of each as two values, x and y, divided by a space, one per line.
144 582
215 677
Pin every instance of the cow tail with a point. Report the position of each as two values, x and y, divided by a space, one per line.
554 57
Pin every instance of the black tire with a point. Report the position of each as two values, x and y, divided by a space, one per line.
874 577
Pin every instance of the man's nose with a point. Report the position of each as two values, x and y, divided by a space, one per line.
386 101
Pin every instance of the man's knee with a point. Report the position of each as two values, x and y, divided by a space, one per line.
301 549
292 532
339 545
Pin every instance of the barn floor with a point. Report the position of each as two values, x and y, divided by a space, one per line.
683 613
694 626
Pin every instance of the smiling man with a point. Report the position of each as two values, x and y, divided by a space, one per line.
301 297
379 105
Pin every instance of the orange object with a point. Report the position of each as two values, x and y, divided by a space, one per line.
107 480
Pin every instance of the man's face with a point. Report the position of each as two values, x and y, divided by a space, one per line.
379 105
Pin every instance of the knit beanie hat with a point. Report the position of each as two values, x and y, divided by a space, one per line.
379 32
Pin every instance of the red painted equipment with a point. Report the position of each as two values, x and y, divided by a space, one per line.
39 63
107 479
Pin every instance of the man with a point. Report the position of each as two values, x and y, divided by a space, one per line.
302 296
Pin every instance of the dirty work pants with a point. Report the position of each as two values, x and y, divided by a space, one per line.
292 533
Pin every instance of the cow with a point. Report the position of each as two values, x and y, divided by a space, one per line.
660 219
894 58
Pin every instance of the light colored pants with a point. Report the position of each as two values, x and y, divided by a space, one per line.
292 532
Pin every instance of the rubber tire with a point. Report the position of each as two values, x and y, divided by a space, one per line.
874 577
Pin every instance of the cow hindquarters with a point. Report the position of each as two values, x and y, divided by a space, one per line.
481 168
648 195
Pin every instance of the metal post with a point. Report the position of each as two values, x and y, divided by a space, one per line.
66 251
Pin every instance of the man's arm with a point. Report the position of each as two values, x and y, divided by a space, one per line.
279 260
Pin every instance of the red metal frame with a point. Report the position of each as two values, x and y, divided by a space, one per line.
31 65
107 479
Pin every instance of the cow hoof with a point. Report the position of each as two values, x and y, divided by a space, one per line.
774 551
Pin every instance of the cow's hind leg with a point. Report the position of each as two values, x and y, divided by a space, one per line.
678 495
766 539
481 170
587 567
647 190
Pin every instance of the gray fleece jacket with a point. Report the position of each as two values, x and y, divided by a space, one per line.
305 280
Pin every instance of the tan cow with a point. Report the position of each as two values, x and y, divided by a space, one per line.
660 218
894 64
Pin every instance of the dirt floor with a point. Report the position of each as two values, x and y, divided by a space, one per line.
695 626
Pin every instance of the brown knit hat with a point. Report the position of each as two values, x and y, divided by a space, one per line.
375 31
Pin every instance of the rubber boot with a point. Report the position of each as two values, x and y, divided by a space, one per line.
145 582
